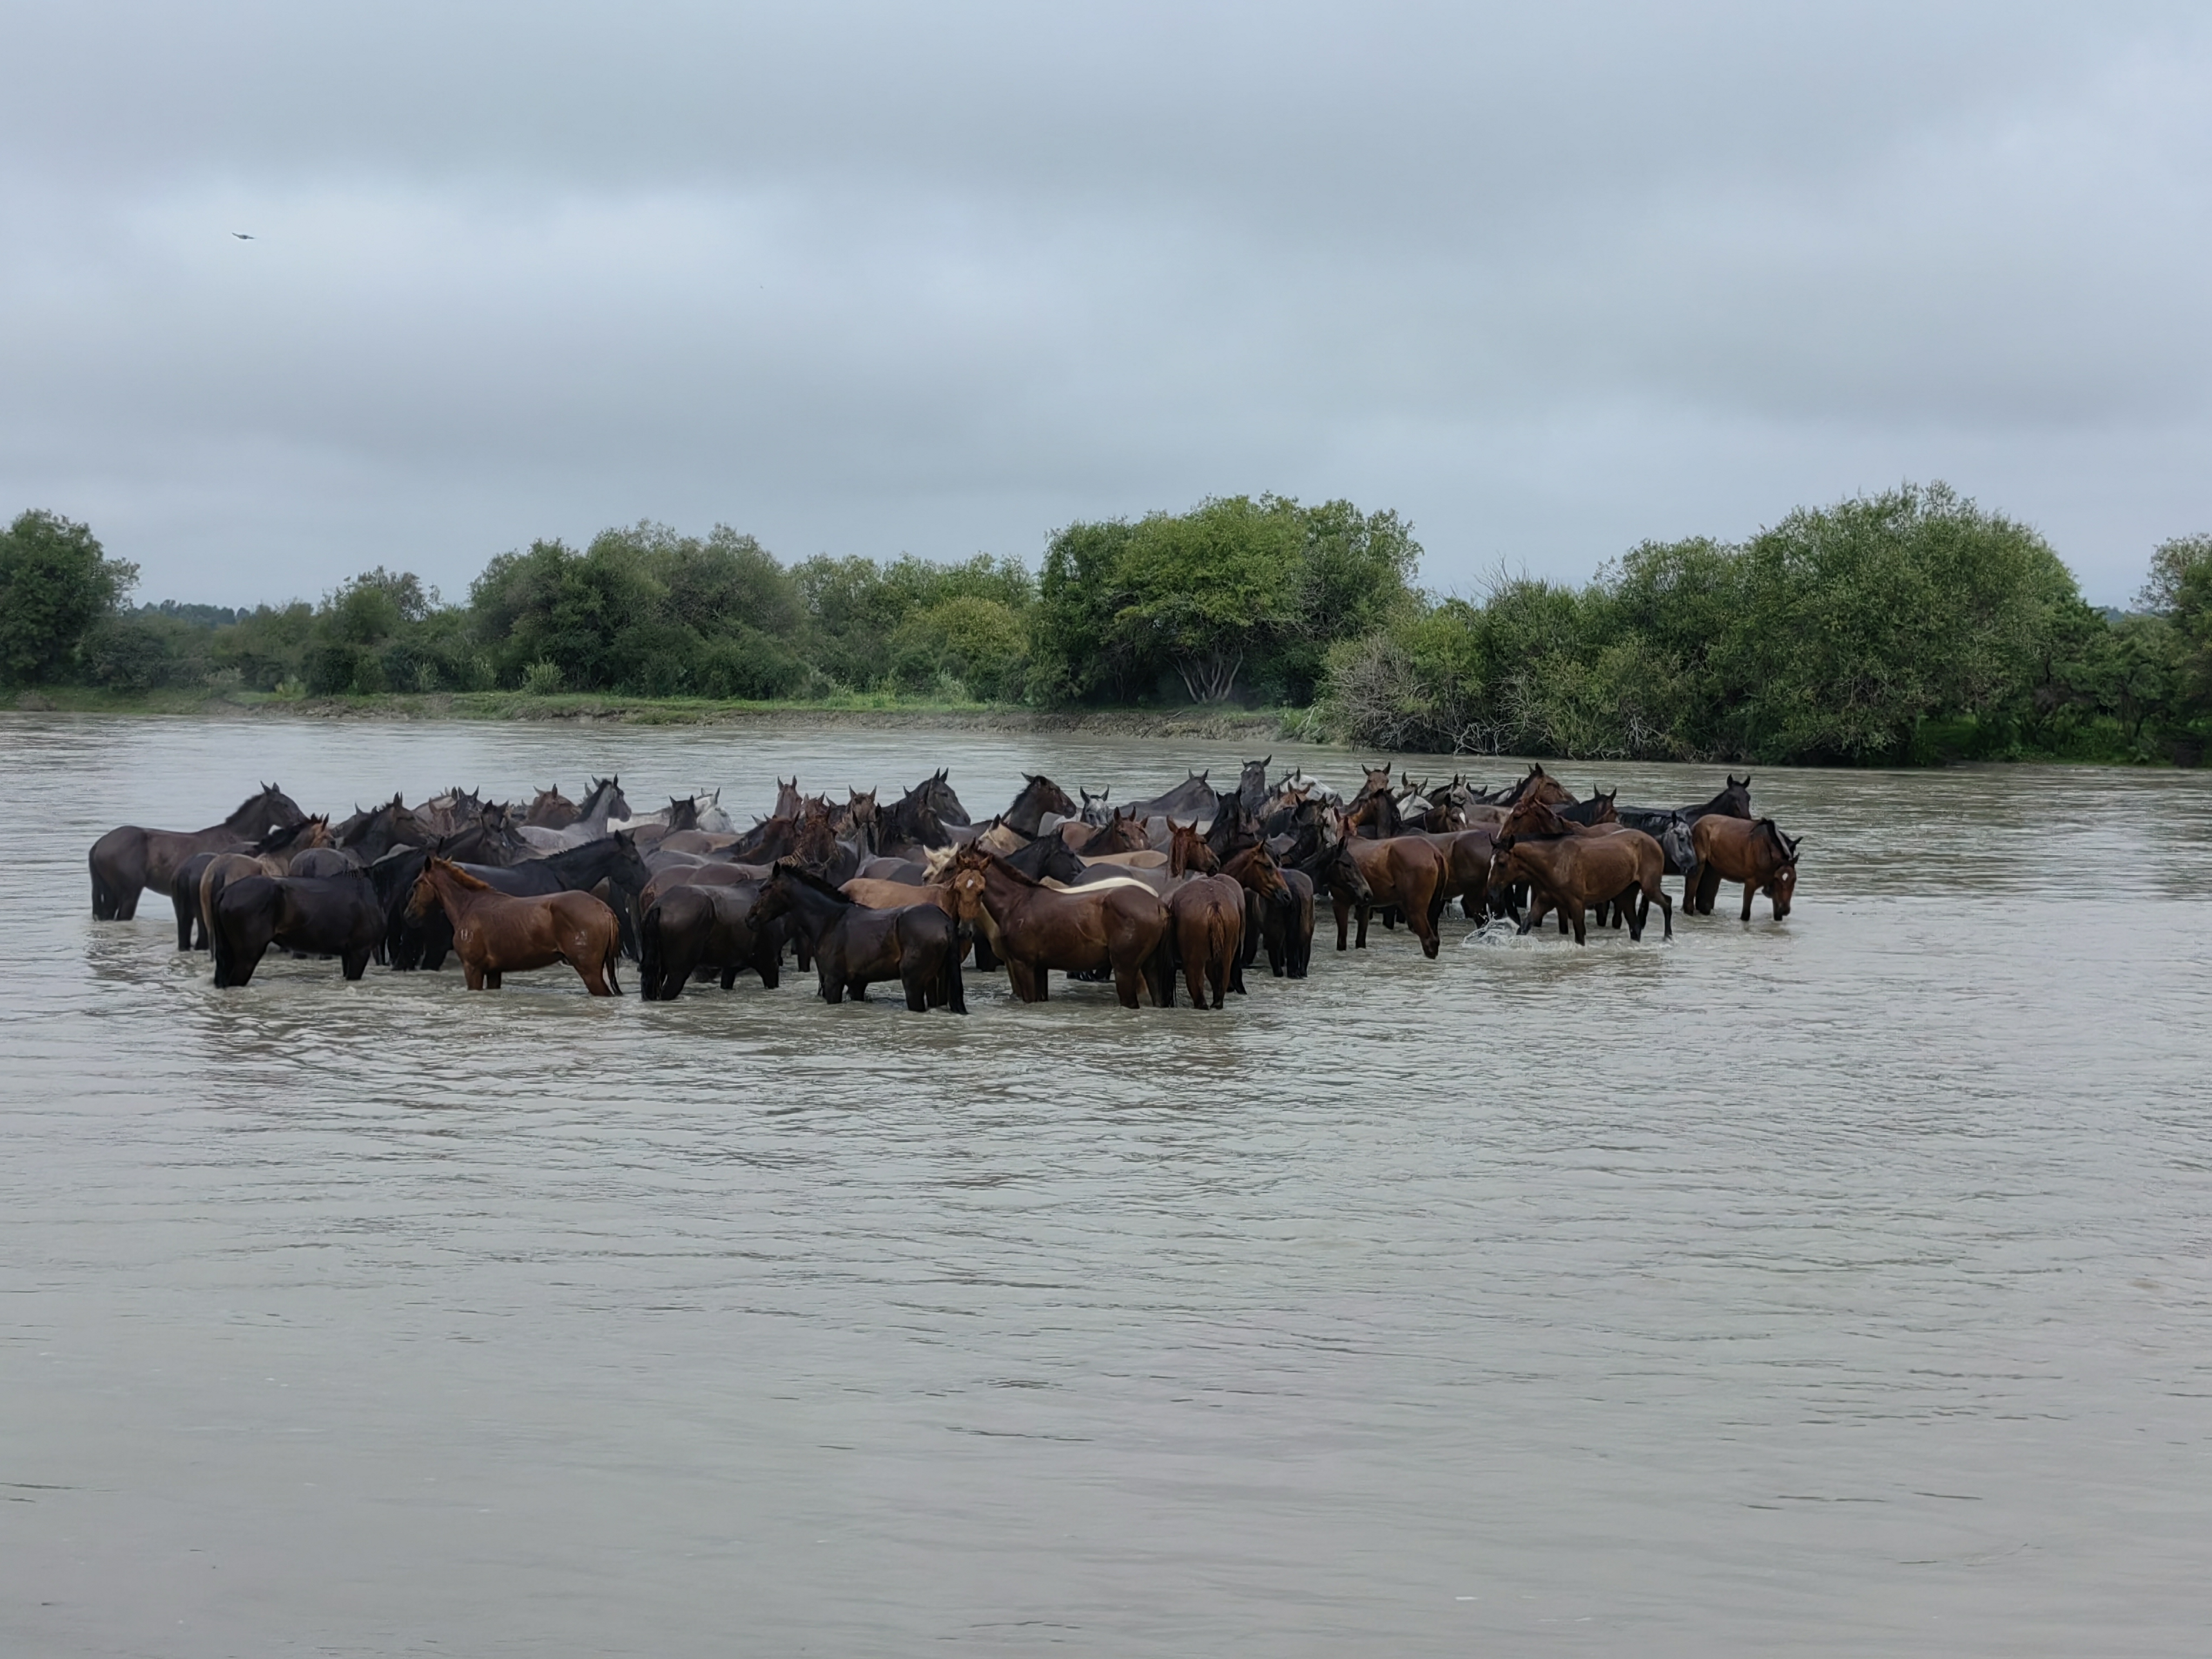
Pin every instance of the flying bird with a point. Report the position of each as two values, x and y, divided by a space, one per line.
243 236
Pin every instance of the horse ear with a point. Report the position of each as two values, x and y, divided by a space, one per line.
1796 841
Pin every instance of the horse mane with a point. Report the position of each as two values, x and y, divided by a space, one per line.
461 878
797 872
1770 830
935 860
285 834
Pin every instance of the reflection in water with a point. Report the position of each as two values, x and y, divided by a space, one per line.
1834 1286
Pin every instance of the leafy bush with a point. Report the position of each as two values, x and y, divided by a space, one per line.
55 585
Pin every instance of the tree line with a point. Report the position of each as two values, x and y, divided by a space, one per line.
1908 626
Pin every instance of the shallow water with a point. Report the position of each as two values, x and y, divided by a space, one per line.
1838 1286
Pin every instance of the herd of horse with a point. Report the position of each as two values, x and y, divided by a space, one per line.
1192 882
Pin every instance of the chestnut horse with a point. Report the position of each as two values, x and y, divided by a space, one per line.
1035 929
1572 867
1751 851
494 935
1405 873
1208 914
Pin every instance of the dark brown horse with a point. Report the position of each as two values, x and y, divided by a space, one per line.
1751 850
1573 868
552 810
1281 902
125 862
494 935
714 927
1467 854
919 944
1035 929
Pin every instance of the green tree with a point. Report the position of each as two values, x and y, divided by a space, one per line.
55 584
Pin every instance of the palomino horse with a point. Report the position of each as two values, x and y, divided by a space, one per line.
1034 929
1752 852
919 944
1573 868
125 862
494 935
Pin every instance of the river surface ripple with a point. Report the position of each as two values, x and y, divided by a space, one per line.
1833 1288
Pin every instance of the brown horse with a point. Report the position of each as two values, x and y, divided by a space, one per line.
1209 913
1572 867
1467 854
1034 929
1404 873
495 935
125 862
1751 851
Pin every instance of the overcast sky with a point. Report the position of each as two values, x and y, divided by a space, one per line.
1548 279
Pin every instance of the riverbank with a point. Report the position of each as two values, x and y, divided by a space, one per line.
597 710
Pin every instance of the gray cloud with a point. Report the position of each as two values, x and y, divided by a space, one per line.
875 278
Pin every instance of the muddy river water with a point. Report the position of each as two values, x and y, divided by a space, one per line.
1838 1286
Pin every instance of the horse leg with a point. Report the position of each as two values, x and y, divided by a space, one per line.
493 979
353 963
1366 911
1750 892
1657 892
1128 978
188 912
1708 889
1577 913
917 990
1343 912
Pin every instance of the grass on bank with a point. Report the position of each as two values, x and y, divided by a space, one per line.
628 710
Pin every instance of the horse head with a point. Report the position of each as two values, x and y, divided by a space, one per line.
1187 851
1532 818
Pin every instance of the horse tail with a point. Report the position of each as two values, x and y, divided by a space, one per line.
650 954
220 946
612 960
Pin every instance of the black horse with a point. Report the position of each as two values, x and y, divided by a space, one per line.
1039 795
1670 826
319 916
919 944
